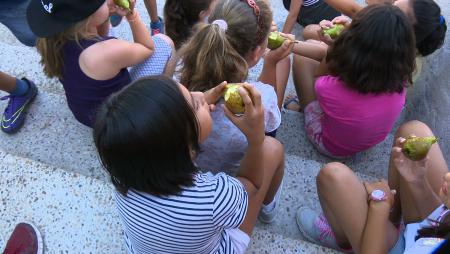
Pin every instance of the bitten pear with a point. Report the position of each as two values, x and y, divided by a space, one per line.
275 40
123 3
233 99
334 31
416 148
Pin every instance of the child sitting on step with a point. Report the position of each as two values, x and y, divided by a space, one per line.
363 217
165 203
90 65
223 50
352 99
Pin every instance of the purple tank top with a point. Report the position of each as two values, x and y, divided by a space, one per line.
84 94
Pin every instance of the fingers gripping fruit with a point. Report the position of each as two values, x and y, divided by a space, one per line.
233 99
275 40
335 31
123 3
416 148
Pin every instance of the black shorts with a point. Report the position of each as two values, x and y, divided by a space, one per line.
314 14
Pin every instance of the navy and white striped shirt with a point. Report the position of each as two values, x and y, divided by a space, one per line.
309 2
195 221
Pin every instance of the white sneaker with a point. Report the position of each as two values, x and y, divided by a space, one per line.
269 215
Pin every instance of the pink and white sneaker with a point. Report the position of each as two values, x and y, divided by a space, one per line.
315 228
25 239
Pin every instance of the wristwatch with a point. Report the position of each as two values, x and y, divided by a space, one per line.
378 195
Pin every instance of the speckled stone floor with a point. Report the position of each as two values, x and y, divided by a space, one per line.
50 174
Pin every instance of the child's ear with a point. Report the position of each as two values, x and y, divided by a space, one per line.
255 54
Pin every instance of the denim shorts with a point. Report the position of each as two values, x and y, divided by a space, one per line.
13 16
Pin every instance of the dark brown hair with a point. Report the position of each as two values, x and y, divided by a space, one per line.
441 230
150 151
180 16
376 53
213 55
428 28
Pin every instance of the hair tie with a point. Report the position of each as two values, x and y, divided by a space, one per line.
442 20
221 23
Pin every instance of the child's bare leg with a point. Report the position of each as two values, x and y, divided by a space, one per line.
344 202
311 32
437 167
282 72
152 10
272 171
303 70
7 82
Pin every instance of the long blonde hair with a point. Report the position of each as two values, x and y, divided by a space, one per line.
51 48
213 55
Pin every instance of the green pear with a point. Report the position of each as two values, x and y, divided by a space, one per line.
416 148
275 40
233 99
123 3
334 31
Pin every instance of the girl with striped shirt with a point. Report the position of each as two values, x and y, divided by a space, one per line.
148 136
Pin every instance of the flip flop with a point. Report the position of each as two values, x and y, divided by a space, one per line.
289 101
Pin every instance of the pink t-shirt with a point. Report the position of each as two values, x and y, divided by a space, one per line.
352 121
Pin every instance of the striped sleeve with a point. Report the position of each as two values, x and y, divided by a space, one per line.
230 202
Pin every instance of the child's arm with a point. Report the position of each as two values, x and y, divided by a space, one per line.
252 125
268 74
291 19
415 175
347 7
374 237
314 50
140 32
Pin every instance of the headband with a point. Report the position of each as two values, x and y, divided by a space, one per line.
442 20
257 13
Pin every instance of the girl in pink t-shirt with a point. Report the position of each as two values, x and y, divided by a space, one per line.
353 97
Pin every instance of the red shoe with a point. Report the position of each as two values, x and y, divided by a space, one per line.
25 239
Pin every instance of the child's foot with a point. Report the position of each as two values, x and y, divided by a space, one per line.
292 103
15 112
157 27
25 239
115 20
314 227
268 213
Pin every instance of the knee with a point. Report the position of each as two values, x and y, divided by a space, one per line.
273 146
333 173
166 39
310 31
414 128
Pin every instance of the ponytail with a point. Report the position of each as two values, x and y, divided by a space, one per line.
209 58
214 54
429 27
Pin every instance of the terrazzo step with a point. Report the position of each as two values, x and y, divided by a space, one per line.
299 189
52 135
76 214
373 162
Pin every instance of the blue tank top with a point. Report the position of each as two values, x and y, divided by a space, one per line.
84 94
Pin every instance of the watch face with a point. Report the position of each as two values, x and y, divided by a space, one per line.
378 194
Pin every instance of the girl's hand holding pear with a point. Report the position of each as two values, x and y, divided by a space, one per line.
284 50
251 123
